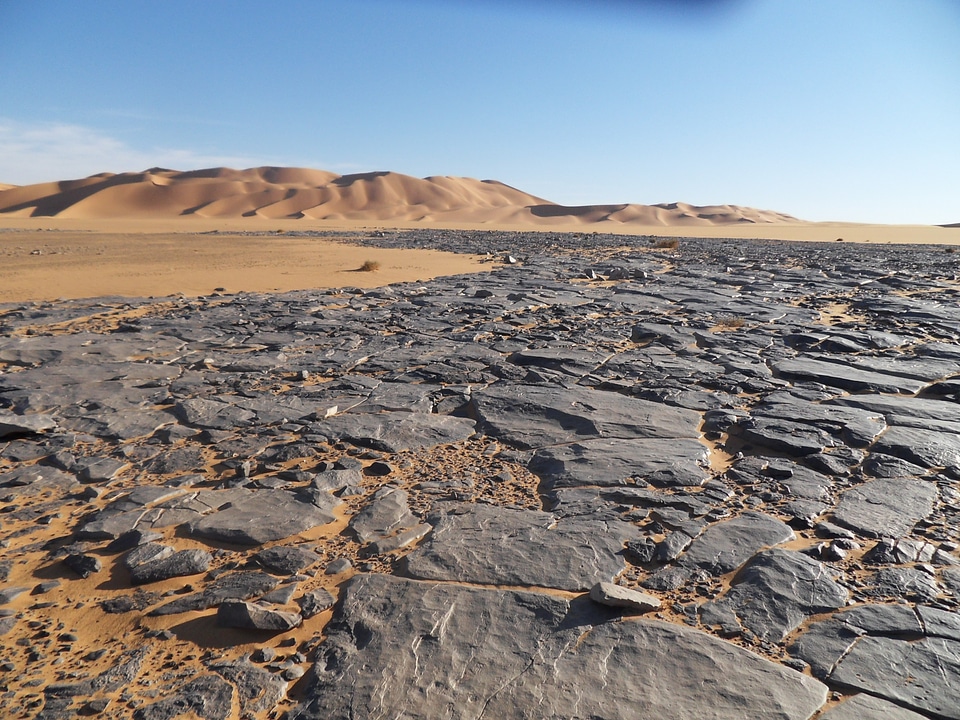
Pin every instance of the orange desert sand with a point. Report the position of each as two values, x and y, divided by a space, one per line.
141 234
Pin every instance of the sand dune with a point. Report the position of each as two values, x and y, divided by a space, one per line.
301 193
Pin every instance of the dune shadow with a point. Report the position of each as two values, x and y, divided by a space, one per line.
348 180
552 211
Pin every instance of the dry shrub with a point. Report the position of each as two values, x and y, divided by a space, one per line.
730 322
667 244
370 266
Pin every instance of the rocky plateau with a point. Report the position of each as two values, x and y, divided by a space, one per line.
609 478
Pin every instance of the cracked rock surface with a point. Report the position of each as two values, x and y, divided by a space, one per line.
395 502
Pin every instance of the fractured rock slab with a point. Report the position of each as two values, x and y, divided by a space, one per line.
499 546
399 647
887 507
250 616
534 416
14 424
397 431
260 517
921 675
608 462
778 589
728 544
868 707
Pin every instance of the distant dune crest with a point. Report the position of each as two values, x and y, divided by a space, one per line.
290 193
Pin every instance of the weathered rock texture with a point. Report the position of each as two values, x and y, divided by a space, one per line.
401 501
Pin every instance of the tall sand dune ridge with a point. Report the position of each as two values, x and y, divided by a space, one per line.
302 193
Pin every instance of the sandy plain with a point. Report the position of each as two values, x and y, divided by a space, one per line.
161 232
51 258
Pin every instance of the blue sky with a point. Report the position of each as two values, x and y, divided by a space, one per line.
825 109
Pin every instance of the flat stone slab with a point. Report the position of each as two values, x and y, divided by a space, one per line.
855 426
868 707
725 546
386 514
201 413
923 675
498 546
250 616
177 564
609 462
241 585
903 407
13 424
927 448
535 416
887 507
846 377
262 516
778 589
396 431
400 648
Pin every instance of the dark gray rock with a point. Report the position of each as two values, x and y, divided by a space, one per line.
32 479
533 416
285 560
608 462
928 448
232 586
259 690
726 545
846 377
825 642
262 516
899 552
83 565
778 589
867 707
900 408
939 623
497 546
315 601
887 466
397 432
120 674
9 594
787 436
201 413
902 583
207 697
338 566
853 426
885 507
13 424
101 469
145 553
402 539
921 675
180 563
398 647
385 514
249 616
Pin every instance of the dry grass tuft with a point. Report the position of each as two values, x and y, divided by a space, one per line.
730 322
667 244
370 266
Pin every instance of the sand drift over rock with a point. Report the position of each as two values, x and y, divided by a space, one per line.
293 193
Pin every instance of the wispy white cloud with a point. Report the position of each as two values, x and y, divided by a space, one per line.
40 152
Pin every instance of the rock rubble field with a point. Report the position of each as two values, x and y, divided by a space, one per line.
610 478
